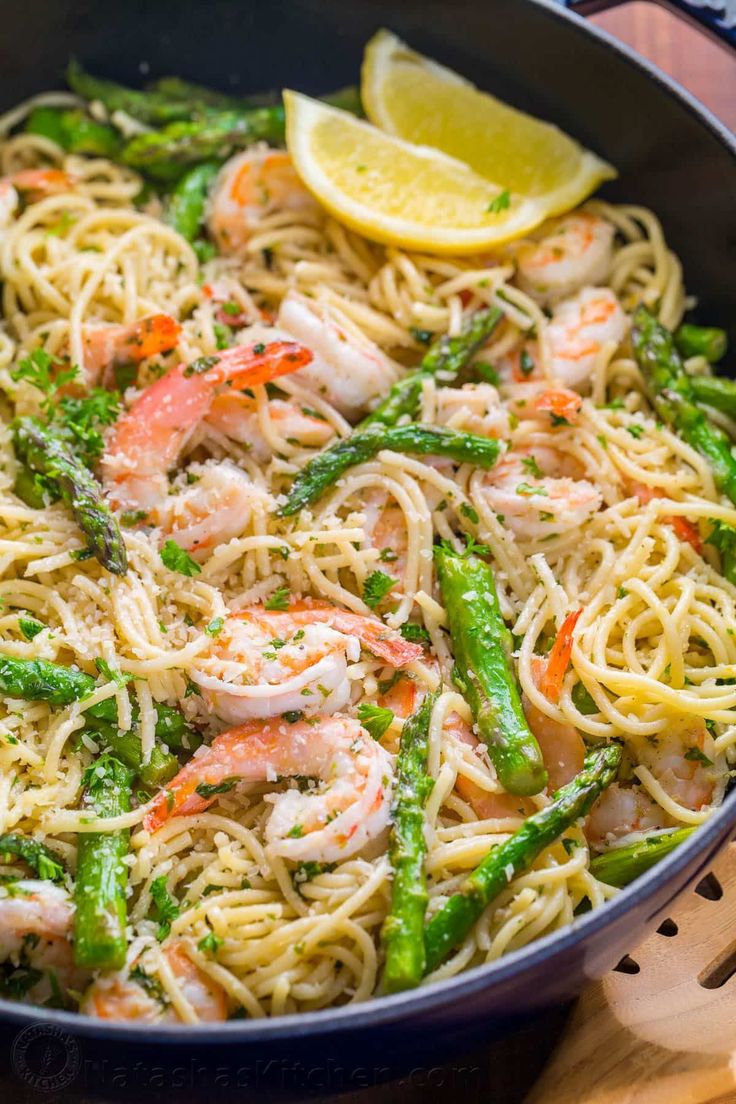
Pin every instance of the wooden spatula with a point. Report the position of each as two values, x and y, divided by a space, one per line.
661 1027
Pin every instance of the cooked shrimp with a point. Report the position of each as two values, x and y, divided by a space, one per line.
250 186
110 347
35 930
297 660
327 824
620 811
35 184
562 746
236 416
385 529
119 997
486 804
347 369
146 441
209 505
475 408
537 491
681 759
573 252
579 328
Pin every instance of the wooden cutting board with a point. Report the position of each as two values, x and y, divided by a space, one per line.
661 1027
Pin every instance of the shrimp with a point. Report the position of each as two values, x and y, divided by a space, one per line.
249 187
562 746
145 443
109 347
347 369
35 932
573 252
211 503
385 529
538 491
120 997
578 330
327 824
296 660
681 759
236 416
475 408
486 804
620 811
27 186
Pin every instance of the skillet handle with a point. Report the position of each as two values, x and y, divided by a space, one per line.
716 17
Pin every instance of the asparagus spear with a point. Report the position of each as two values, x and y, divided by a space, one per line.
715 391
620 865
451 924
445 358
483 670
723 537
40 680
165 154
41 859
74 131
185 211
402 931
154 108
182 91
44 451
706 341
665 376
423 440
102 876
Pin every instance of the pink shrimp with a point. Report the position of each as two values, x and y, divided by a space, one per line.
306 670
110 347
117 997
236 416
328 824
145 443
572 252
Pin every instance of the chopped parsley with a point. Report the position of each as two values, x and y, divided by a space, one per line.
531 465
295 832
695 755
487 372
635 431
279 600
414 633
215 626
471 514
29 627
177 559
502 202
528 489
375 719
112 674
212 789
376 587
166 907
526 364
210 943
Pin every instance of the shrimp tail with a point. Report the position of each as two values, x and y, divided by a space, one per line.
249 365
559 658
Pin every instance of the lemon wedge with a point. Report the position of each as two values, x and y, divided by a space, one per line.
392 191
412 97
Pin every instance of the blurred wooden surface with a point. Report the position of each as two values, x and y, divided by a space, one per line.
703 66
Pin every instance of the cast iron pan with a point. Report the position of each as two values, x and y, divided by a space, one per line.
672 156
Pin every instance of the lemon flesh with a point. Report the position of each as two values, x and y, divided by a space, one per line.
395 192
414 98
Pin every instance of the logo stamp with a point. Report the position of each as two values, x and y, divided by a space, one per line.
45 1057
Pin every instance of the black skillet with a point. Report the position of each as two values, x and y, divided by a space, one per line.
674 157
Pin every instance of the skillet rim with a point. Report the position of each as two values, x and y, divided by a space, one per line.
384 1010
